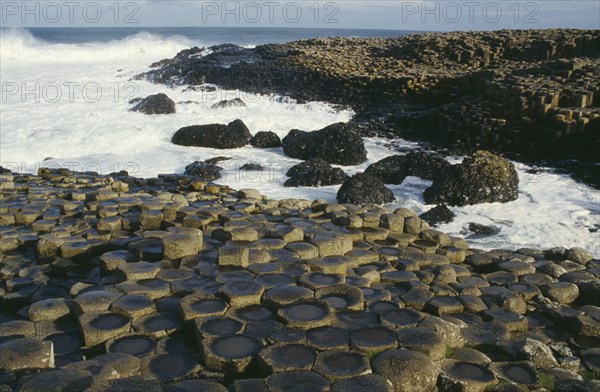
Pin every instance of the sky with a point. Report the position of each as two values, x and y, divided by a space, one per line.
388 14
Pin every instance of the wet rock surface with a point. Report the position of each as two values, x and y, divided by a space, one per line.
188 292
314 173
265 140
154 104
337 144
233 135
481 178
364 189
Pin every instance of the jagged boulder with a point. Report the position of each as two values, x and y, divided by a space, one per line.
233 135
205 171
438 214
315 172
265 140
228 103
154 104
394 169
364 189
390 170
481 178
339 144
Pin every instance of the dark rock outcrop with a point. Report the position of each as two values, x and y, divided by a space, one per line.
233 135
229 103
252 167
265 140
481 178
424 165
315 172
364 189
205 171
390 170
394 169
154 104
337 143
438 214
482 230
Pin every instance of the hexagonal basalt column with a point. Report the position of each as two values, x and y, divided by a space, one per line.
466 376
196 305
341 296
285 295
340 364
373 339
241 293
306 314
297 381
230 354
137 345
99 327
133 306
217 326
328 338
286 357
26 353
157 325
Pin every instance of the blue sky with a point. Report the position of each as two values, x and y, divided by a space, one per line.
390 14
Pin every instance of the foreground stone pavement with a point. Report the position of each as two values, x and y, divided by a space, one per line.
170 284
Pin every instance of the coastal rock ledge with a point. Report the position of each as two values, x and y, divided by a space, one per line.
117 283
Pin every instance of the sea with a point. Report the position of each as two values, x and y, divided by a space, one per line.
65 103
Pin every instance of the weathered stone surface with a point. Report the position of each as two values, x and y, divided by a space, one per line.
481 178
407 370
338 144
206 172
26 353
364 189
155 104
233 135
315 172
265 140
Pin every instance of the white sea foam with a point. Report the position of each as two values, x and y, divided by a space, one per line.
89 132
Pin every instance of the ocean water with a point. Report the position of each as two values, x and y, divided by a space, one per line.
65 95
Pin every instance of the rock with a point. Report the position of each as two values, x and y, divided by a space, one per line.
205 171
230 354
481 178
155 104
424 165
26 353
390 170
438 214
233 135
286 357
59 380
406 369
338 144
394 169
229 103
341 364
364 189
252 167
579 255
482 230
368 382
215 160
561 292
297 381
538 353
314 173
265 140
465 376
249 194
